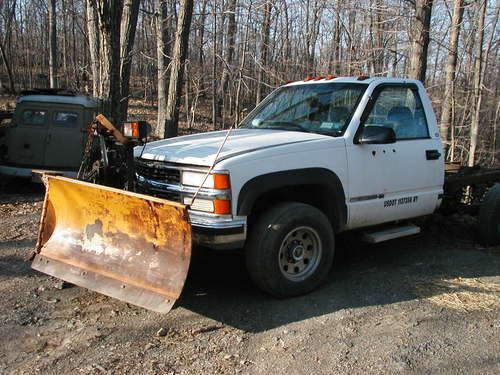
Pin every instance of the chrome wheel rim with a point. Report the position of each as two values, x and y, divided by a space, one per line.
300 253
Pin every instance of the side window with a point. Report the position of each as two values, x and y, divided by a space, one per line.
69 119
399 108
34 117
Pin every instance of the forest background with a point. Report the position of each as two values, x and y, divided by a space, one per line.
210 62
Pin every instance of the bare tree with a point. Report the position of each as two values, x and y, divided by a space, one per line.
93 40
264 49
478 81
109 13
52 44
451 64
162 52
229 55
3 42
177 68
419 43
127 37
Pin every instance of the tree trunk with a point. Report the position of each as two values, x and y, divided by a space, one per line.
201 38
229 55
94 46
419 39
3 46
162 51
9 71
52 44
451 65
378 28
109 14
214 66
478 81
65 11
177 68
266 29
127 37
338 41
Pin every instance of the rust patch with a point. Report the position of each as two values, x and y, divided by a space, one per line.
92 229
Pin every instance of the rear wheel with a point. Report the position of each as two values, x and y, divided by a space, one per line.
489 217
290 249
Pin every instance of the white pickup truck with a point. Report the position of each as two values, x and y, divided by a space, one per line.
315 158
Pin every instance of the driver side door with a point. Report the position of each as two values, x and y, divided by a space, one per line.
399 180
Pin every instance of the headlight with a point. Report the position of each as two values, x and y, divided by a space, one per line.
200 204
217 206
196 179
213 181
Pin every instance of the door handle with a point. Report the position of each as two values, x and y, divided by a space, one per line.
432 154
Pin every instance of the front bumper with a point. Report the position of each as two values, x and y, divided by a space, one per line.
218 232
209 230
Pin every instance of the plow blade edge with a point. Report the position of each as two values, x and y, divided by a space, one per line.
129 246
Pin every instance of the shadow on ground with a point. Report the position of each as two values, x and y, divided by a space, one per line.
20 190
368 275
14 266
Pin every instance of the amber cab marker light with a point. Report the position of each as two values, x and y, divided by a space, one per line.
222 207
221 181
308 79
318 78
330 77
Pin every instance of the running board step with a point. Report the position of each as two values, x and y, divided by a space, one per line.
390 234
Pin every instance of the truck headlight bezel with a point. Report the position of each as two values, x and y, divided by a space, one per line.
219 181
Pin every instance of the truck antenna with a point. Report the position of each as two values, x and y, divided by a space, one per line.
213 164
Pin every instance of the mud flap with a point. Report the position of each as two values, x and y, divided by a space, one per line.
129 246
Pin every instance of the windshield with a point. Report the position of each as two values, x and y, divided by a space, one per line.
319 108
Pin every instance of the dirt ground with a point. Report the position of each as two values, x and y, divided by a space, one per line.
425 304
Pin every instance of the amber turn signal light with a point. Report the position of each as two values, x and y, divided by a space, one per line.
222 206
221 181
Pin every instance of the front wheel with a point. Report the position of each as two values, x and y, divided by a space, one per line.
290 249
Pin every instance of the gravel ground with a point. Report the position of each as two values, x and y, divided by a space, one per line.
425 304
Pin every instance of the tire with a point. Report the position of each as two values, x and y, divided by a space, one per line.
290 249
489 217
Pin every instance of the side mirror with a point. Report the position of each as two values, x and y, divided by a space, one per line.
377 135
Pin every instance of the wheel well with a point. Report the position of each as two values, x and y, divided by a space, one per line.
318 196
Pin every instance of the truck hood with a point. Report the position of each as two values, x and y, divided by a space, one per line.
201 149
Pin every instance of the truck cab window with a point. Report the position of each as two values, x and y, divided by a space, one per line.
33 117
69 119
399 108
317 108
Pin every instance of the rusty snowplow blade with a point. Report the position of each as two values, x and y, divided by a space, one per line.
129 246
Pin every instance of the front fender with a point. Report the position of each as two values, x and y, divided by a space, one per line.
325 178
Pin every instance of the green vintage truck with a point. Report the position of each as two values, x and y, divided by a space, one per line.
47 132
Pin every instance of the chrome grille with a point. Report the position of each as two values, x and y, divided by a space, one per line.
165 194
158 171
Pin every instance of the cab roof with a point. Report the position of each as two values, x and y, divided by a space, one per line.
82 100
362 79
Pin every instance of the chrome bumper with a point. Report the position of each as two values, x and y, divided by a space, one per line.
218 232
210 230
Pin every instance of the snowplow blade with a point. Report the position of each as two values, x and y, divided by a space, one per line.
129 246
